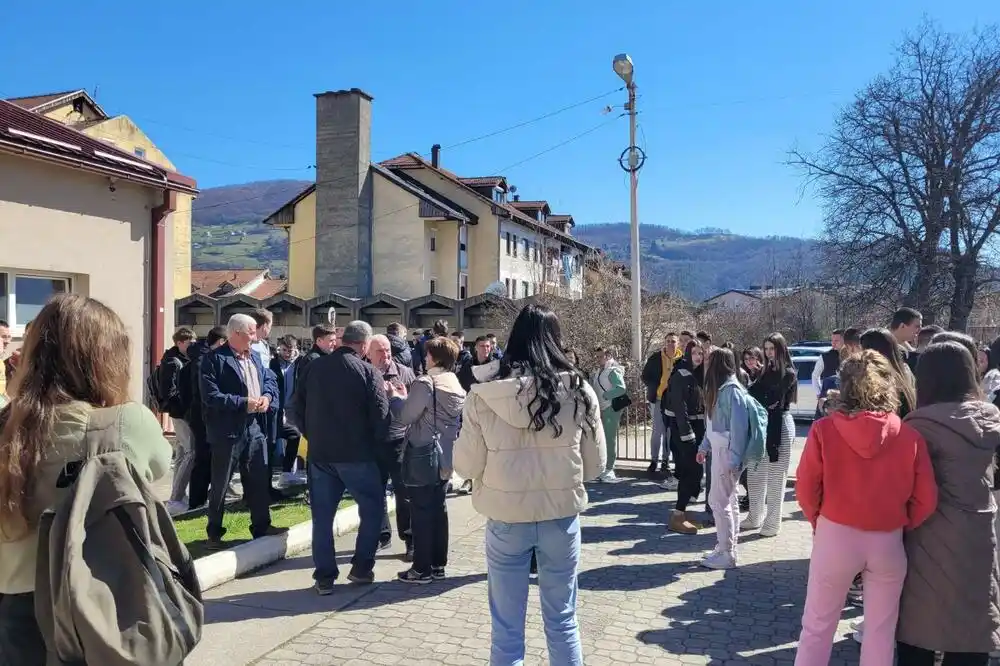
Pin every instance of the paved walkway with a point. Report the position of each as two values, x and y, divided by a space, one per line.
643 600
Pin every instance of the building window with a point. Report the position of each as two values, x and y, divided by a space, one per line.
23 296
463 286
463 247
140 152
527 250
515 246
541 215
498 195
434 285
434 242
524 290
506 282
508 243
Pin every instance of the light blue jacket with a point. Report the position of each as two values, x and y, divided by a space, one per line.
730 415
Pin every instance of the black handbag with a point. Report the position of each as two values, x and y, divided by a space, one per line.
421 463
621 402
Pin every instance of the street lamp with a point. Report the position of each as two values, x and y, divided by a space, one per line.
631 160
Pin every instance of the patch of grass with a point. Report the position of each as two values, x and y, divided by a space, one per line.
287 513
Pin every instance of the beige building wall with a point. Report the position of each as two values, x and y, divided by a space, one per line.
445 260
484 248
302 249
67 116
57 221
398 242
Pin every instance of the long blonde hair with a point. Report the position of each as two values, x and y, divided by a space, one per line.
76 349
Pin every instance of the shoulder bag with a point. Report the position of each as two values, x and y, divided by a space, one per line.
421 462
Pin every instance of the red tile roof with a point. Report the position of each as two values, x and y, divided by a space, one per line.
270 287
529 205
559 218
25 133
210 283
34 101
484 181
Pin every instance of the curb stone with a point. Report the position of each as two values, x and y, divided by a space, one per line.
222 567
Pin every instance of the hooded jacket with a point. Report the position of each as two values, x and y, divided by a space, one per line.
685 398
417 416
520 474
609 383
191 390
951 597
867 470
400 351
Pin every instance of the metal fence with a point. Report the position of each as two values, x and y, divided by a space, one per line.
636 427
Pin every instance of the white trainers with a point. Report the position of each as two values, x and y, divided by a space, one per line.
669 483
608 476
747 526
719 560
175 507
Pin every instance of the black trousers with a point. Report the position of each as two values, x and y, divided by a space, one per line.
909 655
389 467
247 455
201 472
429 515
292 438
21 642
687 470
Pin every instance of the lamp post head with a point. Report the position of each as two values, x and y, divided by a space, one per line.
622 65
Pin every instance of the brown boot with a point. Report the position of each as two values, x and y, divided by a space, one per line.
680 524
691 521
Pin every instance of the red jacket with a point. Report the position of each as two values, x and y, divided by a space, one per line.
869 470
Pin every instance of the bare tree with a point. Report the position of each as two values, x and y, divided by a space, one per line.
909 175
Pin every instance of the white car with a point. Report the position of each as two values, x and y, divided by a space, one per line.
805 407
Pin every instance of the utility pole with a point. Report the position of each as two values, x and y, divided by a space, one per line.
631 160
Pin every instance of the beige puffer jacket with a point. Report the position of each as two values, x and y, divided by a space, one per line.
521 475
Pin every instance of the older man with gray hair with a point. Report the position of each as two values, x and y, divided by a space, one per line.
341 407
237 395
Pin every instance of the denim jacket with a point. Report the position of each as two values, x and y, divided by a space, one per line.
731 415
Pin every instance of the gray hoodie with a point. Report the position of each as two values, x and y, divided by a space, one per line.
417 413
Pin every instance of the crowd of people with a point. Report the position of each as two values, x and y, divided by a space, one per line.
897 477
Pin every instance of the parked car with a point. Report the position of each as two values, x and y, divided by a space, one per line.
805 406
809 349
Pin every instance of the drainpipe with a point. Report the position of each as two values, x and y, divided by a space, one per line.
158 259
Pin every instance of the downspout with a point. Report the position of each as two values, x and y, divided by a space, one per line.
158 259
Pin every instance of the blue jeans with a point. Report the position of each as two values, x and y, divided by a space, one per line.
327 483
556 544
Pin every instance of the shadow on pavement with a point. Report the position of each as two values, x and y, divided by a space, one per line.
757 606
345 597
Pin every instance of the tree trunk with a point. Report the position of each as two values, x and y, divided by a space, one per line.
963 295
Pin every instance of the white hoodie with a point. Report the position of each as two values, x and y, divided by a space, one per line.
521 475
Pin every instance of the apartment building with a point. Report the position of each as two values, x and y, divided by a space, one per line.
408 227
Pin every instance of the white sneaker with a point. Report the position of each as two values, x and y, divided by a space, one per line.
175 507
719 560
769 532
747 526
670 483
858 627
466 487
608 476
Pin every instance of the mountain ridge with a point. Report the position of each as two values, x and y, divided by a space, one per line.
228 232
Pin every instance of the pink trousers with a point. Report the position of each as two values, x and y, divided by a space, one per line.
838 554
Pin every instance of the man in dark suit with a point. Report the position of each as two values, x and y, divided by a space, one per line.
283 366
237 395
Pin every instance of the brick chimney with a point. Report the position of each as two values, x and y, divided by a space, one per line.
436 155
343 193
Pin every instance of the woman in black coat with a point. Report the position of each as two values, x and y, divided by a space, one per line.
776 389
685 400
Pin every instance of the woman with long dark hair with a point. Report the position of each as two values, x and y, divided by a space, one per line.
776 389
531 436
686 401
951 598
753 362
74 368
882 341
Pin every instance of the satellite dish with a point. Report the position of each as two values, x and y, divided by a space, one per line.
331 315
497 288
513 188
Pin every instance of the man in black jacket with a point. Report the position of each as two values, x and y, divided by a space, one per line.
483 354
283 365
324 342
401 354
340 405
201 472
655 377
172 402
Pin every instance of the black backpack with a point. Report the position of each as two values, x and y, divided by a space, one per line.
156 401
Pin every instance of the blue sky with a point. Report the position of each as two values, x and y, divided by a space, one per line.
225 88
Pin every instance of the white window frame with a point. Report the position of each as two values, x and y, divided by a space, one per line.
433 242
463 283
11 275
140 152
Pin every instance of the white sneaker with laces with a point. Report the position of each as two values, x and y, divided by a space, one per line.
175 507
608 476
719 560
670 483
